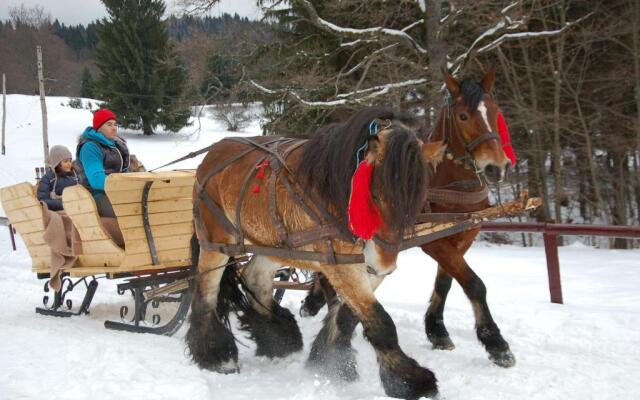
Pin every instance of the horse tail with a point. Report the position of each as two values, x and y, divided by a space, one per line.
231 297
195 252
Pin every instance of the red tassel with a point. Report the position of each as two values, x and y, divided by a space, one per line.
256 188
503 131
261 167
364 216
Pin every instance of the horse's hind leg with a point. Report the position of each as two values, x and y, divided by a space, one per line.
320 293
451 259
434 318
210 341
401 375
273 327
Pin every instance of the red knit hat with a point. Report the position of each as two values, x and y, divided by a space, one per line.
101 116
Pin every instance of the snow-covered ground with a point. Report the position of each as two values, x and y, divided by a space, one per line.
588 348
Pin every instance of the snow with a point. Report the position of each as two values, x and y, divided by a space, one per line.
588 348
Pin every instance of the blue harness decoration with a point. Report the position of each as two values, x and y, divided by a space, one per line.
374 128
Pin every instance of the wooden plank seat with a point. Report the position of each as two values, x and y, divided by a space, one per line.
99 253
164 201
169 214
24 212
168 207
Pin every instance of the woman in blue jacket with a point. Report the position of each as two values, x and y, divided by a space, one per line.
101 152
59 176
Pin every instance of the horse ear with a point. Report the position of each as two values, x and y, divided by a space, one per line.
451 82
489 77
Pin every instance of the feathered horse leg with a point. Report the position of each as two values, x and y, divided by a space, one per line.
272 327
332 349
401 375
210 341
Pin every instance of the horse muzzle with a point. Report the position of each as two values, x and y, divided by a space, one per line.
496 174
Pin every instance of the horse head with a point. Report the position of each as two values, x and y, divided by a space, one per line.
400 162
468 124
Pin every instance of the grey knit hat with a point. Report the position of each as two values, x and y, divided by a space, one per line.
57 154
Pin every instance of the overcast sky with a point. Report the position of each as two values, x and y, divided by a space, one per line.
73 12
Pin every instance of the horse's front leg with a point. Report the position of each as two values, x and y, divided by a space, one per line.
401 375
273 327
450 258
434 318
331 350
211 343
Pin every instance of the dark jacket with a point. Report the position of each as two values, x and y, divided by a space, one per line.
51 186
97 157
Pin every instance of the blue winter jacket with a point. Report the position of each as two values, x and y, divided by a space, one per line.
94 152
55 183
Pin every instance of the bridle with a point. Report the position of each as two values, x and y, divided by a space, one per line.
466 160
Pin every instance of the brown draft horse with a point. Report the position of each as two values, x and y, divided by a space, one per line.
466 124
323 166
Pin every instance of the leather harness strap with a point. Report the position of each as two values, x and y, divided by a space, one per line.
456 196
327 225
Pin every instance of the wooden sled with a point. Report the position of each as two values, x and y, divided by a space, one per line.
154 214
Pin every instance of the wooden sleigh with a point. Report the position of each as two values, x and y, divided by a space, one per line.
154 213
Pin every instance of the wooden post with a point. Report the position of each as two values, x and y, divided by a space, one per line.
43 106
553 266
4 110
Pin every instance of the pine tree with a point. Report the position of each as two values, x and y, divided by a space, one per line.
222 73
86 84
141 76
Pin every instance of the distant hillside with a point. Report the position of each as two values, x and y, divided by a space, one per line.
68 49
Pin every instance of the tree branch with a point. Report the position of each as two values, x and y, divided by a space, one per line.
368 33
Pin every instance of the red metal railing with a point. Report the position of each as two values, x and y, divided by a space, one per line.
550 232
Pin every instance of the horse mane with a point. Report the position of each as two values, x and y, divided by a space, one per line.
472 93
328 163
403 180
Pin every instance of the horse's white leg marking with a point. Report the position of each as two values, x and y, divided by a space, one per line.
210 273
258 276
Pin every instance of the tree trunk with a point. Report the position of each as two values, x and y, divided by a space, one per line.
635 33
147 128
538 151
436 53
618 207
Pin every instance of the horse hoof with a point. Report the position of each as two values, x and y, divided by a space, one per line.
442 343
415 383
230 367
503 358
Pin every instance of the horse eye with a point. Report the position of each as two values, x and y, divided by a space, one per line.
463 116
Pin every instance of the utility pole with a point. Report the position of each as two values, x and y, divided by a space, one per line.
43 106
4 110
